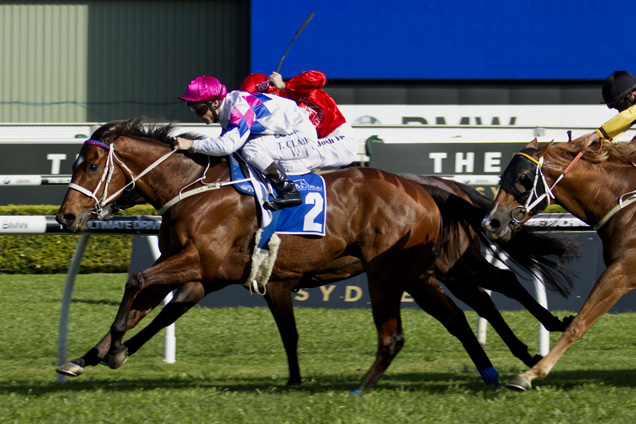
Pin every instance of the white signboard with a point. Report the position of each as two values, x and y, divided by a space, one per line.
572 116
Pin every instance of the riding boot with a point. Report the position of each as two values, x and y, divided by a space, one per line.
288 194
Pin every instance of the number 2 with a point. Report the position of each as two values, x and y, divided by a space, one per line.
316 200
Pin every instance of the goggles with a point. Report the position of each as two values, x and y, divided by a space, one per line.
199 109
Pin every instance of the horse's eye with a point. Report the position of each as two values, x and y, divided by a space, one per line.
524 183
93 167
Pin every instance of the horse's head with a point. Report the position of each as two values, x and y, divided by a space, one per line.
94 179
523 192
123 156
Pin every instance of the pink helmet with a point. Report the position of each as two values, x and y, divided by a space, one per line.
204 88
258 83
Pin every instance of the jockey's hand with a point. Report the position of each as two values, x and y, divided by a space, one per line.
181 143
276 80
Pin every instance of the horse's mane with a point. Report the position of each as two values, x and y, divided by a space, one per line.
145 128
563 153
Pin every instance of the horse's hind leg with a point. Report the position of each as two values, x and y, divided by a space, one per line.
481 303
428 294
506 283
385 306
280 304
185 297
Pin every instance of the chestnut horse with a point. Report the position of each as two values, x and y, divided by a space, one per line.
379 223
593 183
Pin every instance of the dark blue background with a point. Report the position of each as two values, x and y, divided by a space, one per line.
464 39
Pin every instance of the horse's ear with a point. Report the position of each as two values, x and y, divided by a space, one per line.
545 148
532 144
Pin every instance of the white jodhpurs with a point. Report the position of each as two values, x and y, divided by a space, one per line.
338 149
287 150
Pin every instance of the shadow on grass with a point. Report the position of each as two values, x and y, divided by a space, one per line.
96 302
433 383
416 382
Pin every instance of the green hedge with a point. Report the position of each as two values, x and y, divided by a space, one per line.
51 254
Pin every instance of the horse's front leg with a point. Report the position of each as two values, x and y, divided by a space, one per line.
481 303
616 280
97 353
433 299
506 283
171 273
280 304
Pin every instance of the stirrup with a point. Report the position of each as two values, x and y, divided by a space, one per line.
281 202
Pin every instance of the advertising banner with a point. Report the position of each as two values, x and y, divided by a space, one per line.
453 39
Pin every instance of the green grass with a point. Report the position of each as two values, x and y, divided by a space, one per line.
231 368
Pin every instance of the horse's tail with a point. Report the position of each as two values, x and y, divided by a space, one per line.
541 255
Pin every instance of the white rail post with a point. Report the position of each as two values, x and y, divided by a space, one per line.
542 299
544 335
62 342
482 324
170 340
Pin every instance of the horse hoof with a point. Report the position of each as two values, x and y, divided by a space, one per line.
70 369
117 360
519 384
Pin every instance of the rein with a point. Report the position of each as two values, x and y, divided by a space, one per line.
100 209
621 204
207 187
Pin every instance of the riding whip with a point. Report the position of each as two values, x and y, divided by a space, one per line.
309 18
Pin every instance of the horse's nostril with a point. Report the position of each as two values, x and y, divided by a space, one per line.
65 219
492 224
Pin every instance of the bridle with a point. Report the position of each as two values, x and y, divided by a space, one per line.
540 194
100 209
529 204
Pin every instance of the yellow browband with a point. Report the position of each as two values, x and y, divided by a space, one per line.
529 157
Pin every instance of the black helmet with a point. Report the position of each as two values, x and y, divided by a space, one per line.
617 86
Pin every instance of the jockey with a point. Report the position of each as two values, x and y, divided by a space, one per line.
619 92
272 133
337 142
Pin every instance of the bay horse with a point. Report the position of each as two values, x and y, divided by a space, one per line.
465 276
200 256
595 183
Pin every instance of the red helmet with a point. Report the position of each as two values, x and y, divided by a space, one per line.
204 89
258 83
